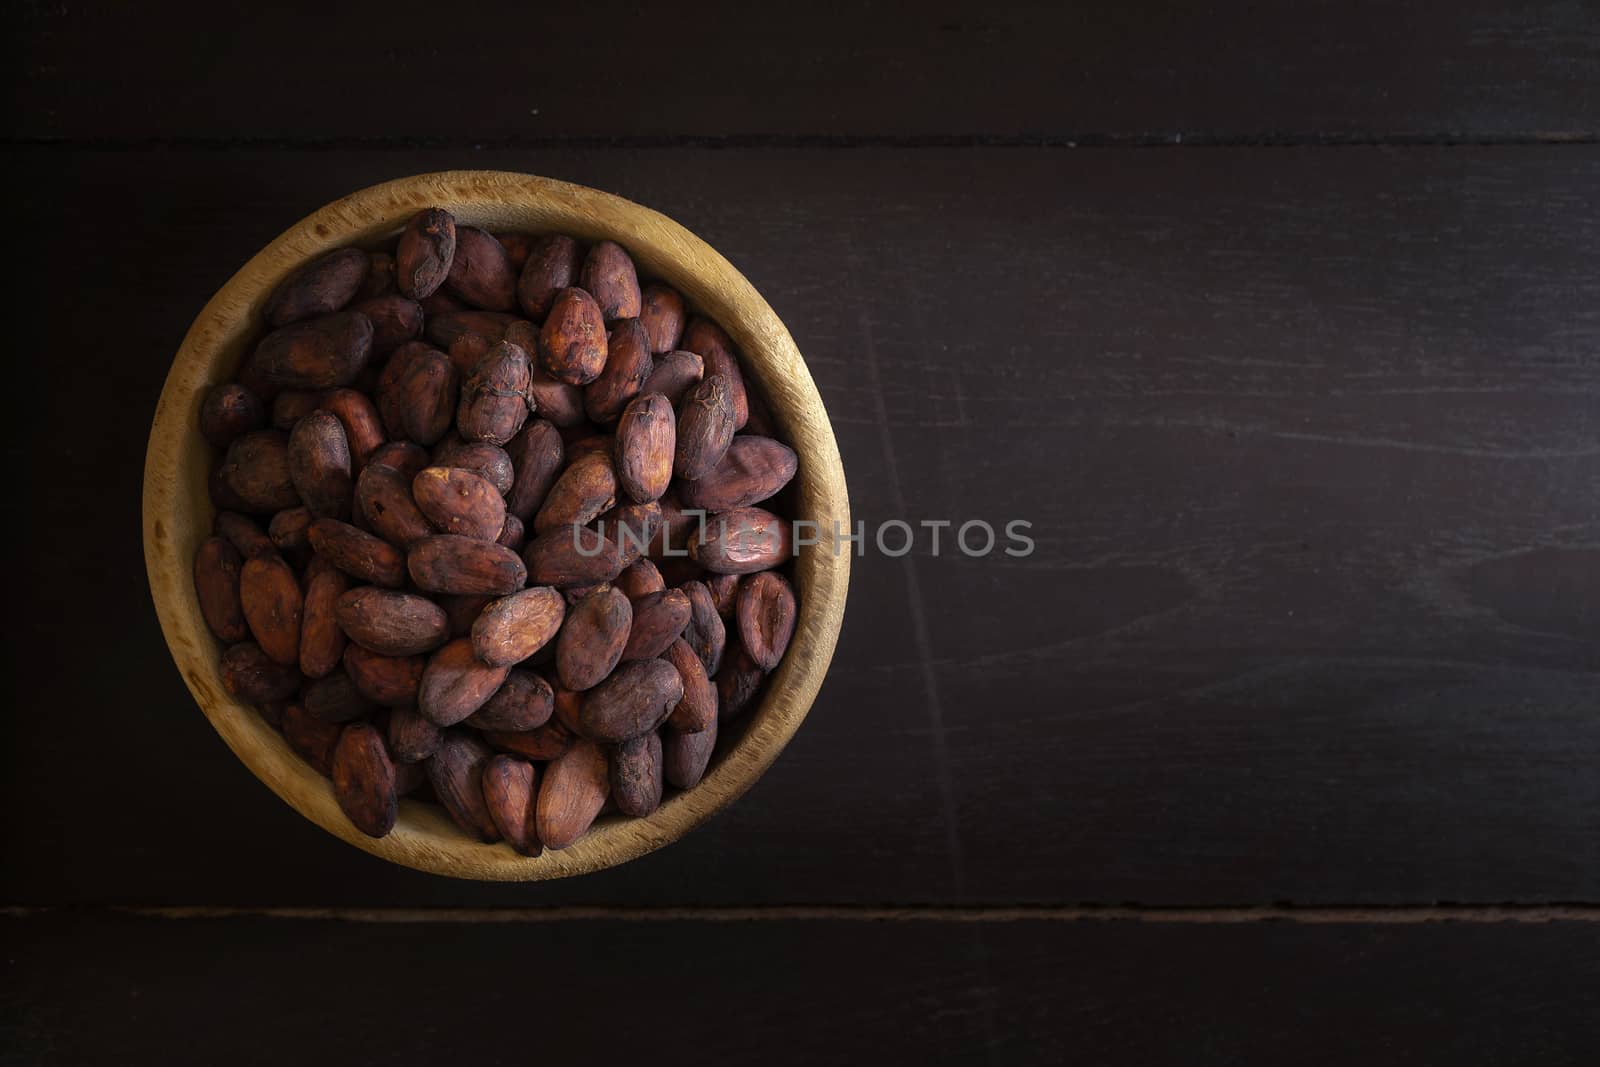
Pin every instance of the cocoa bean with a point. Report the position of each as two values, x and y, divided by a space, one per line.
456 774
455 684
512 628
512 534
685 757
380 276
511 797
573 791
705 633
742 541
395 320
552 265
494 398
517 246
319 353
636 775
290 529
324 285
388 681
766 615
292 405
488 461
610 277
628 364
592 638
467 351
673 375
630 703
459 502
463 611
251 675
359 554
737 680
640 578
523 702
572 343
319 465
658 620
645 447
724 593
229 411
536 458
449 563
427 248
314 740
753 469
243 534
545 743
586 488
321 639
403 456
480 272
707 339
256 470
631 526
217 567
705 428
270 595
698 708
384 496
661 313
391 623
412 737
363 780
417 393
446 329
335 698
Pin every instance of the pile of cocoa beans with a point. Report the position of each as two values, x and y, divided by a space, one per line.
488 530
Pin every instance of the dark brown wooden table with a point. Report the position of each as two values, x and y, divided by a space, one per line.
1279 321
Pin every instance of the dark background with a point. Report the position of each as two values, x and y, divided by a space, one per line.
1281 323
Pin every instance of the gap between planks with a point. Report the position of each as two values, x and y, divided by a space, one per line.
1311 916
1086 139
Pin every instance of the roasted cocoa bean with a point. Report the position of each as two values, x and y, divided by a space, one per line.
363 780
319 353
572 343
631 702
523 702
512 628
685 756
455 684
536 456
645 447
698 708
480 273
552 265
573 791
661 314
388 681
426 250
384 496
628 364
510 794
636 775
273 605
322 286
450 563
752 470
742 541
229 411
412 737
658 620
488 461
391 623
456 774
217 567
359 554
593 637
706 338
585 489
766 614
256 470
249 674
705 428
459 502
494 397
321 638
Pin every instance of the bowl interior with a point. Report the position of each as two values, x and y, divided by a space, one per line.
178 512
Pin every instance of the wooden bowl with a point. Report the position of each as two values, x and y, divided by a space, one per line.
178 513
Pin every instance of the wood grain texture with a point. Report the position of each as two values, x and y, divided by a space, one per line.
1309 442
1145 70
106 988
177 512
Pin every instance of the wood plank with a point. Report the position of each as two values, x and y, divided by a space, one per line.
1143 70
97 988
1307 437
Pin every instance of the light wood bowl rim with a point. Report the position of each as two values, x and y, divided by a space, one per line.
177 513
